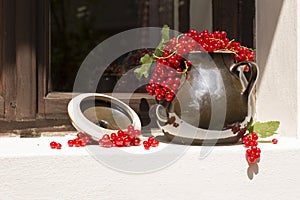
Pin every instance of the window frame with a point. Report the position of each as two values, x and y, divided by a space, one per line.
52 105
29 97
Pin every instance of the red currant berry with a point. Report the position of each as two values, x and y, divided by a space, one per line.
136 141
77 143
58 146
70 143
130 128
169 97
150 140
105 137
154 143
246 138
254 148
120 133
127 135
223 34
53 145
113 136
146 145
254 136
249 152
246 67
258 150
274 141
159 97
108 144
256 155
119 141
254 143
251 159
80 135
82 143
247 144
127 141
101 142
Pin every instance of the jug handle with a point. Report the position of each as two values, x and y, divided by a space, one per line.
253 75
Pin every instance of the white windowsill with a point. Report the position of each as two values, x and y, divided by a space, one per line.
18 147
29 169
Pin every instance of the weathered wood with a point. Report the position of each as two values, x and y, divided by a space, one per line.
1 107
1 62
9 58
56 104
26 59
37 126
42 55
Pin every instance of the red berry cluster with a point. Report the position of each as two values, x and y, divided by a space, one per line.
151 142
172 64
55 145
252 152
121 138
80 141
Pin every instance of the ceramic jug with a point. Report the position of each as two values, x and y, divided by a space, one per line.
212 99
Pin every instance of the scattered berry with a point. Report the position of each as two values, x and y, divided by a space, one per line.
130 128
154 143
126 138
146 145
70 143
246 68
136 141
127 141
119 141
58 146
274 141
150 140
53 145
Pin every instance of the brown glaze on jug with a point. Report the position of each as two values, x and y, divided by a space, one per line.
211 96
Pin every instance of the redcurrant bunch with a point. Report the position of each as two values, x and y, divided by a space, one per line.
151 142
252 152
127 138
80 141
171 65
55 145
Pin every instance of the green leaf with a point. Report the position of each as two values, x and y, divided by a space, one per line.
165 36
147 60
165 33
144 70
266 129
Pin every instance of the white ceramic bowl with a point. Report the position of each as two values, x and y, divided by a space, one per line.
98 114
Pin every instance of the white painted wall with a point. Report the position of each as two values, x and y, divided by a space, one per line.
30 170
277 58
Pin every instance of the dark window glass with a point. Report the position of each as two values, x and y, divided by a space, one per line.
78 26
